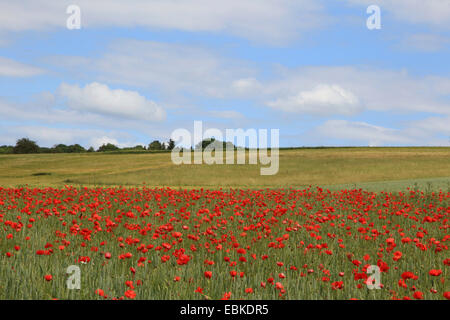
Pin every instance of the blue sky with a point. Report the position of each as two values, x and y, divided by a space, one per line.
138 70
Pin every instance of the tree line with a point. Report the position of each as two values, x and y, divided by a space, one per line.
25 145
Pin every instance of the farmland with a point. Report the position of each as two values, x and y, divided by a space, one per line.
168 244
387 169
138 227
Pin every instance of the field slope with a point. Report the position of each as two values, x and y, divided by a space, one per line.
369 168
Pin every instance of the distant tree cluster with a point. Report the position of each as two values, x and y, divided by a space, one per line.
157 145
216 143
26 145
108 147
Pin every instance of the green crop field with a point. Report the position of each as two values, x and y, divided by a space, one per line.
334 168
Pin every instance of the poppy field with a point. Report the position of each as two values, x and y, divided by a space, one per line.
163 243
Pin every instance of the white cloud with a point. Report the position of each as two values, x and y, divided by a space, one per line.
11 68
57 125
434 125
99 98
87 115
263 20
433 131
173 68
44 110
431 12
376 89
324 99
361 133
246 86
181 71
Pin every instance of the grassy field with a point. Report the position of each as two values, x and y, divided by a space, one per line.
240 243
334 168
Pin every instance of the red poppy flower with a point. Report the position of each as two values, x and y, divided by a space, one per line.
199 290
397 255
435 272
418 295
130 294
408 275
337 285
226 296
100 292
356 263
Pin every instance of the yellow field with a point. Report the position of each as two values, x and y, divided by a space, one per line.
371 168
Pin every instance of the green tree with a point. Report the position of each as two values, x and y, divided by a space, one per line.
6 149
171 145
216 143
60 148
75 148
108 147
138 147
26 145
45 150
155 145
204 143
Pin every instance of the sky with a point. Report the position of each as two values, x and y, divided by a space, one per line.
137 70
